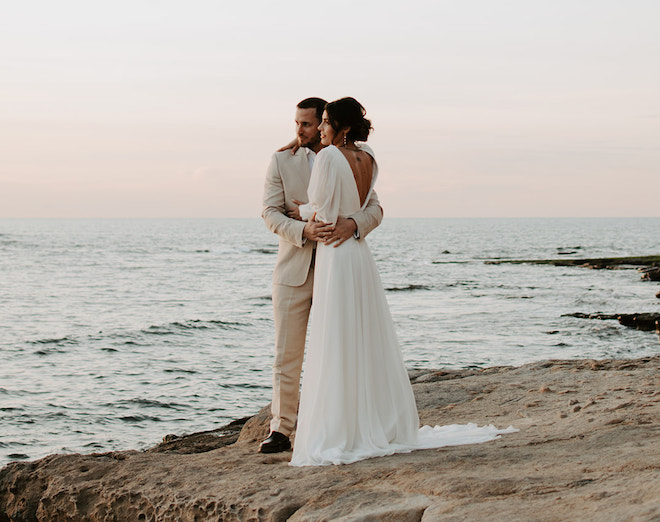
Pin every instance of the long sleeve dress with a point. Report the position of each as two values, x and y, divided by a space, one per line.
356 400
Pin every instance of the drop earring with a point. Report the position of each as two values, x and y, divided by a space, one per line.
344 139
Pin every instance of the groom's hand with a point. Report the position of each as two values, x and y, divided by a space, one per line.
344 229
317 231
294 212
293 145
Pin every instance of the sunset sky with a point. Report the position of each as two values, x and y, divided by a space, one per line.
480 107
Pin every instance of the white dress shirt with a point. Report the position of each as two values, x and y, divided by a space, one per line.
311 156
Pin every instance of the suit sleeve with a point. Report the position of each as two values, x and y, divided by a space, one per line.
369 218
274 208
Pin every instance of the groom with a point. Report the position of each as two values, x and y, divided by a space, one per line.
286 185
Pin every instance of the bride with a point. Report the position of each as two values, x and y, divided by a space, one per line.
356 400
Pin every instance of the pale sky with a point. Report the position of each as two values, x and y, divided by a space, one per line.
481 108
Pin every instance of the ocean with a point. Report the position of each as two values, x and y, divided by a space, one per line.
116 332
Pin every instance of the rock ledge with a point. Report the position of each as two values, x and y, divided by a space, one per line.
588 446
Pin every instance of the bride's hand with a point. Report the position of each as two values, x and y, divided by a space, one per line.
293 145
317 231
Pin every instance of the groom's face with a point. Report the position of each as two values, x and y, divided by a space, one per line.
306 128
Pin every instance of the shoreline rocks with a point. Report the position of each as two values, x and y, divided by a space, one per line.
588 447
595 263
649 266
651 274
647 322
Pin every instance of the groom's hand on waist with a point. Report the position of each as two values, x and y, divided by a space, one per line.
344 229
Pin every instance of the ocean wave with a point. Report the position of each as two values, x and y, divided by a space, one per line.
147 403
38 417
408 288
57 340
140 418
55 414
261 298
122 342
95 445
246 386
505 286
469 284
158 330
48 351
191 324
238 250
21 393
268 250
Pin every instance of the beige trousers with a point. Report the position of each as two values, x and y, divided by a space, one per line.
291 306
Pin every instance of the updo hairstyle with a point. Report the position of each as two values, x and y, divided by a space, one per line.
348 112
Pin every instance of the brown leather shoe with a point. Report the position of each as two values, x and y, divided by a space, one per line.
275 443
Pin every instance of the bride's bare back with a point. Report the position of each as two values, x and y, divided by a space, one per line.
362 165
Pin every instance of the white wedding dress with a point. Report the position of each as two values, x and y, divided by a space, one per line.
356 400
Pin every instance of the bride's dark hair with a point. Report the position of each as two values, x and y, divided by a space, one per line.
348 112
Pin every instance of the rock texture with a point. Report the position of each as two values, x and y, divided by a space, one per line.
588 448
651 274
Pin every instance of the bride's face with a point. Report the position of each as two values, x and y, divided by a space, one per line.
328 134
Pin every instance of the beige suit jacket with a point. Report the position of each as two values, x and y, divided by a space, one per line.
287 179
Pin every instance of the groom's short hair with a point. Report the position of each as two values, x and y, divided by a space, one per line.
314 103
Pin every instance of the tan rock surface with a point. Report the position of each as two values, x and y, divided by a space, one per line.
588 449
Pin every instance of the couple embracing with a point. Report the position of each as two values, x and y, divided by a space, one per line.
356 400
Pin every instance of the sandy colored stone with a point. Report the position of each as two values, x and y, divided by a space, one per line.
588 449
